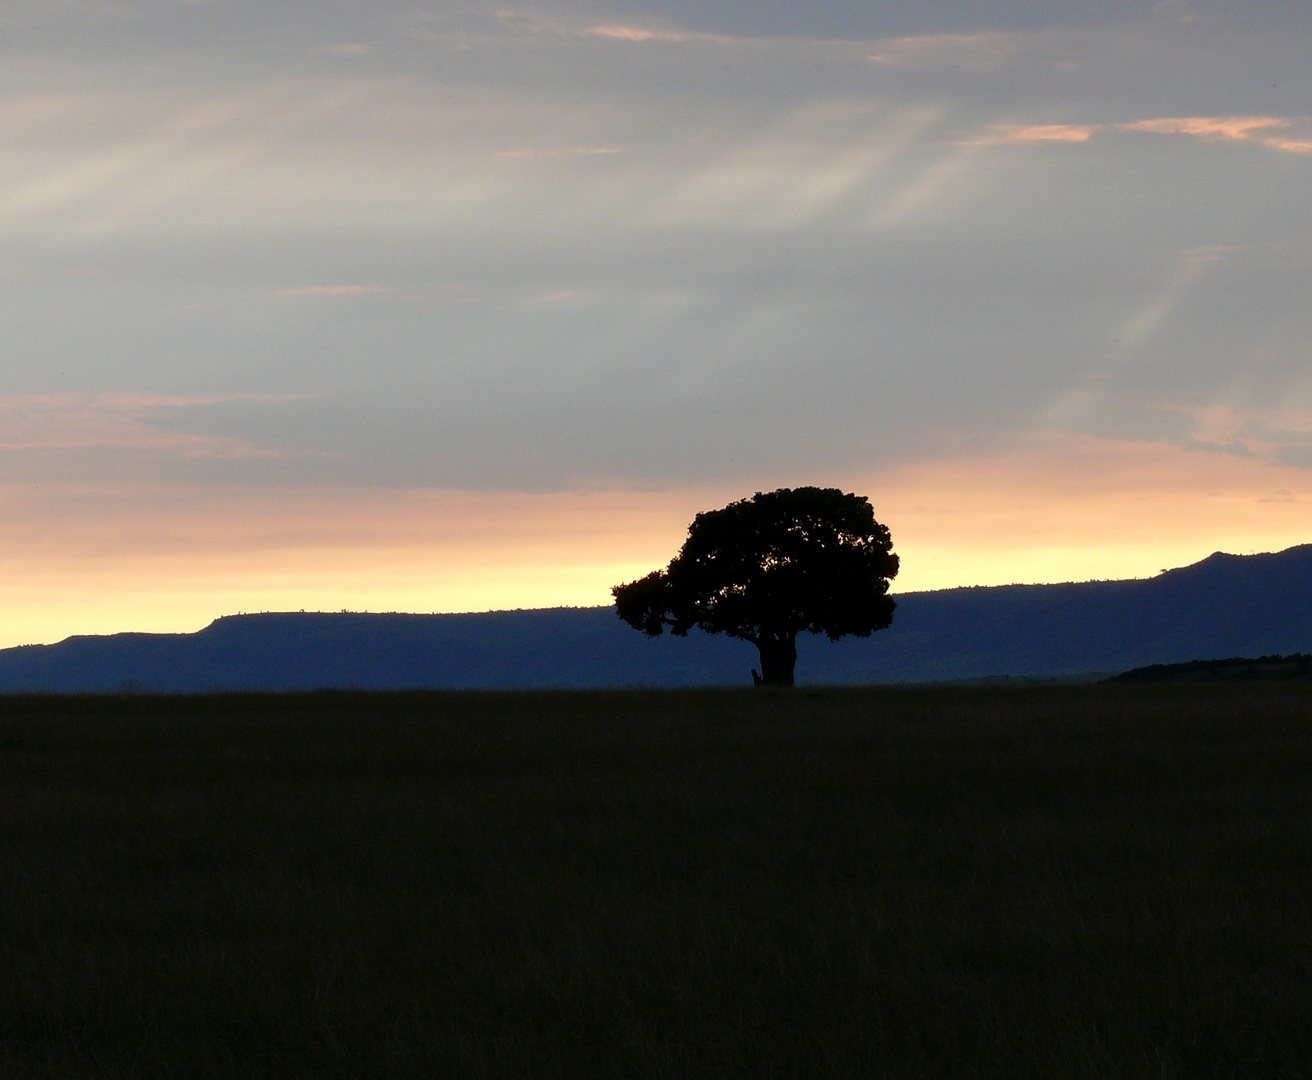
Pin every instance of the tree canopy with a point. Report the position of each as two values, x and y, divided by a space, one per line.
770 567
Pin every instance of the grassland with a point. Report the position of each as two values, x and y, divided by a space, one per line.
1099 881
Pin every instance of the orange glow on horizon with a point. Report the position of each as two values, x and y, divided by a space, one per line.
1063 508
1056 508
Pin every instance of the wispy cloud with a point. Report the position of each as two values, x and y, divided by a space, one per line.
1258 130
560 25
1074 133
126 421
1289 146
986 50
1208 127
637 33
1275 436
1254 129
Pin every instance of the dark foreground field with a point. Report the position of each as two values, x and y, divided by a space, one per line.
1107 881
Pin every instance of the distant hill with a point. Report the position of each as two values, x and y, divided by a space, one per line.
1229 669
1224 606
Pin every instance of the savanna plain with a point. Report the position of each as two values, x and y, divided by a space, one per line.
1076 881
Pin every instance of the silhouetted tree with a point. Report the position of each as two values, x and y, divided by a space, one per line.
767 568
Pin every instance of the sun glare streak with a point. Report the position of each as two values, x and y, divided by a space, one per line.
935 195
796 169
1145 323
155 155
1138 329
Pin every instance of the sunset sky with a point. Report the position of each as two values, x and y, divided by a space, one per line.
456 306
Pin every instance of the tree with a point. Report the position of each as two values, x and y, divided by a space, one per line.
767 568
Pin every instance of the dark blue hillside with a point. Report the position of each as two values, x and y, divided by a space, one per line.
557 647
1226 605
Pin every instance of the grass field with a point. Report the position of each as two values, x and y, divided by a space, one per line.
1098 881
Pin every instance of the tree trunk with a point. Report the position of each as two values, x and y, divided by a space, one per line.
778 659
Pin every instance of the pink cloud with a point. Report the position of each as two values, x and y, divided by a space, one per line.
1238 128
70 422
1050 133
980 51
1018 134
1288 146
1251 129
1254 129
636 33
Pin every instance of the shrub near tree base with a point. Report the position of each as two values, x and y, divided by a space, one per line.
767 568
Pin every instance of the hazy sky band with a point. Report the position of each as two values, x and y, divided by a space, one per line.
378 253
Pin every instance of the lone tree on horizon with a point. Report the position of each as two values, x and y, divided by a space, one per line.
767 568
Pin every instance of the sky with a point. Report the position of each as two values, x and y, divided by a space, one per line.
435 306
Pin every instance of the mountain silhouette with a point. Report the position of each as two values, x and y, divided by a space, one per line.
1225 605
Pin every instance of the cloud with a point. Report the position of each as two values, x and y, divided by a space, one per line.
1250 129
1209 127
1066 133
1274 436
636 33
1289 146
1224 129
125 421
983 51
668 246
562 24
